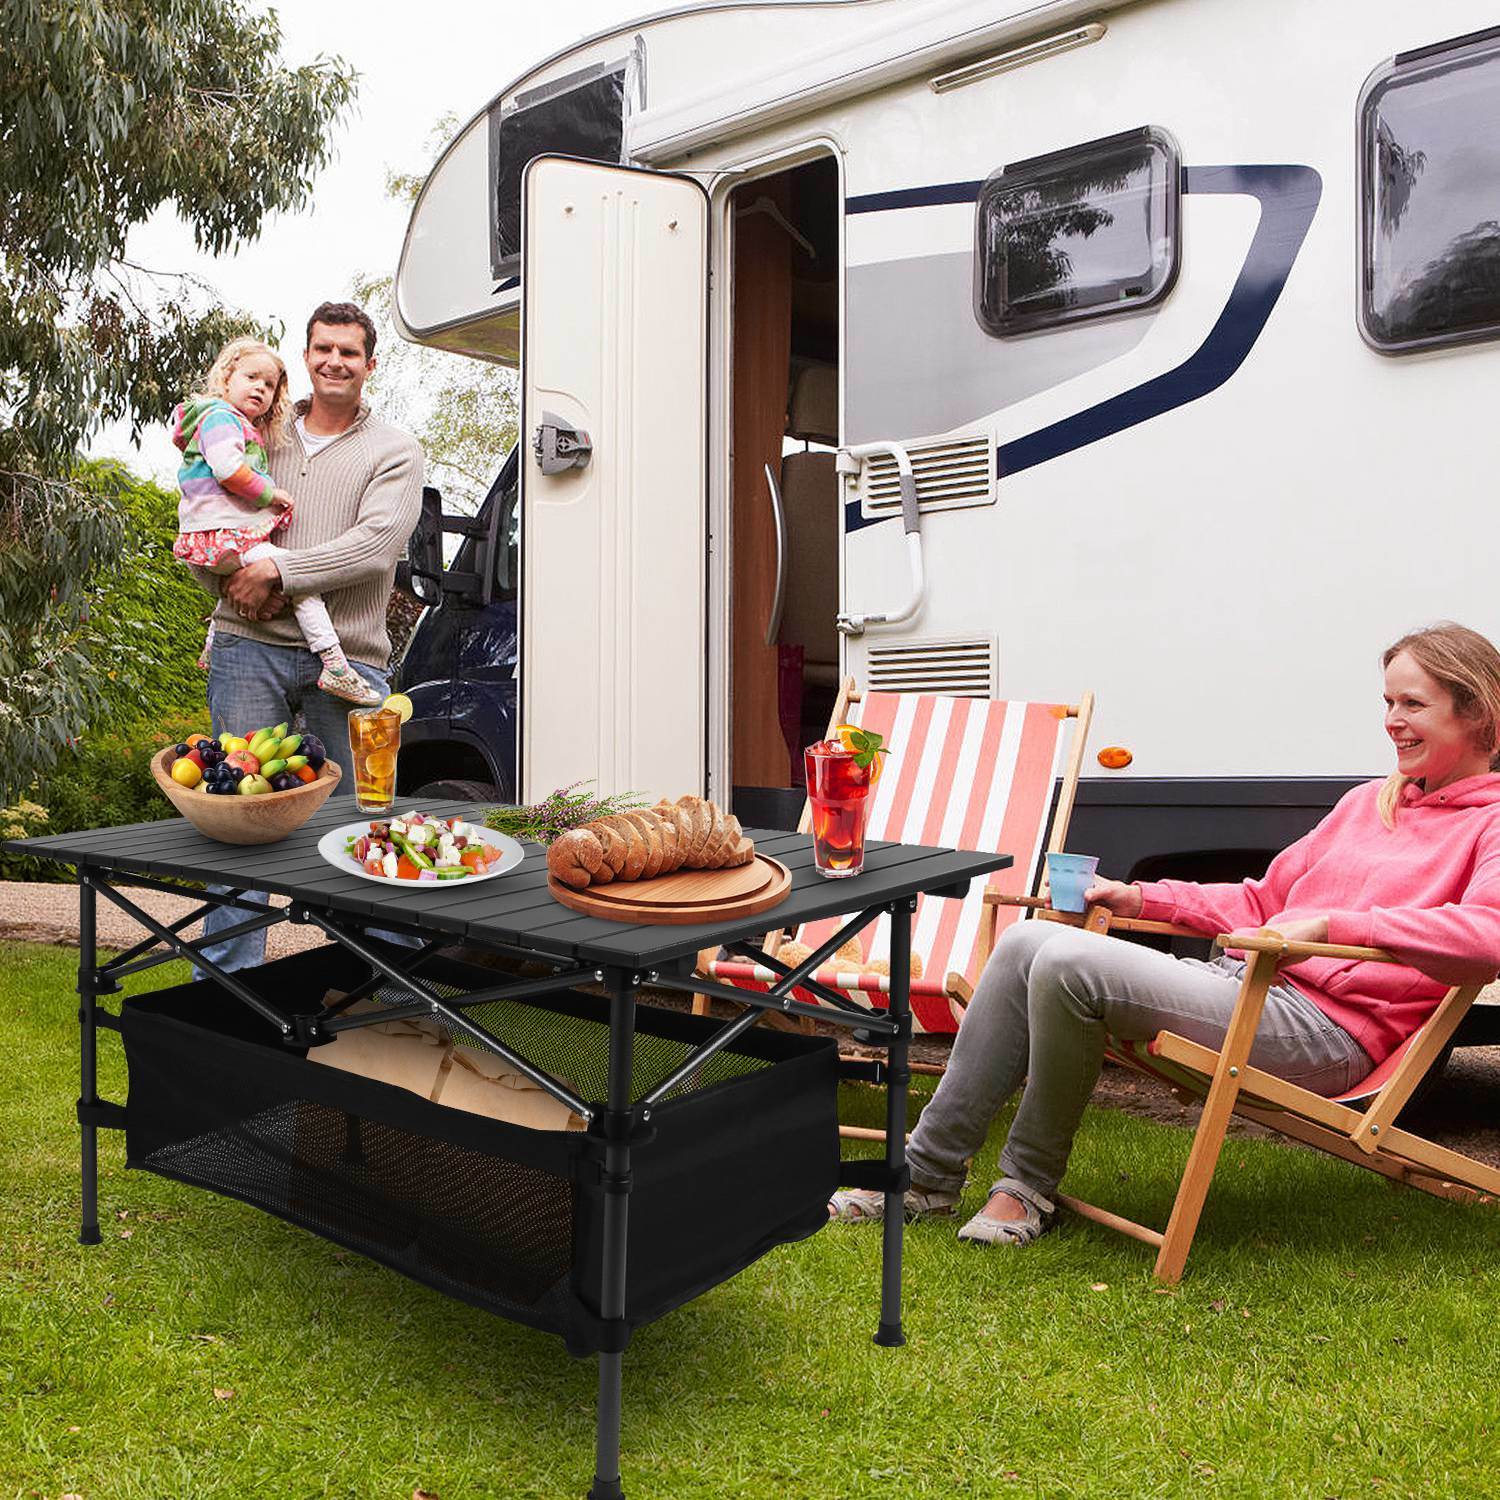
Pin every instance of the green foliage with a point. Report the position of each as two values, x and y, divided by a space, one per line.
102 782
51 537
464 412
109 112
141 631
23 820
146 613
111 644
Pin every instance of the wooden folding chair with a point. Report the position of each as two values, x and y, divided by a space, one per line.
969 773
1357 1126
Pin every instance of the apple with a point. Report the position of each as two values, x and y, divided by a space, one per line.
243 760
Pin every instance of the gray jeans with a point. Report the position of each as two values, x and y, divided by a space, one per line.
1040 1012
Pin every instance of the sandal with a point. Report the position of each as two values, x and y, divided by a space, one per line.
867 1205
983 1230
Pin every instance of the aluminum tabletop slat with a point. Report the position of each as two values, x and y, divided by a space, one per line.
514 909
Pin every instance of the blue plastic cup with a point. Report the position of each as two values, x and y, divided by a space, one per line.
1068 877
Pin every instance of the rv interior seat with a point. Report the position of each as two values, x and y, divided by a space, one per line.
810 492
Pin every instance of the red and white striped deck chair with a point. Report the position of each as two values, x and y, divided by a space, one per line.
963 773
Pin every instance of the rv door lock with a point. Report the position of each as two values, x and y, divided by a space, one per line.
559 447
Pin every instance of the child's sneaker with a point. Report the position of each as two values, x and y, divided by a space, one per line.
340 679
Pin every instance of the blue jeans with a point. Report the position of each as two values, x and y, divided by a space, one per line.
253 686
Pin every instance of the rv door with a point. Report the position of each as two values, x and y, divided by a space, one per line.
613 488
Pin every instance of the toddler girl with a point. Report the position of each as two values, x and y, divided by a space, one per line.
230 507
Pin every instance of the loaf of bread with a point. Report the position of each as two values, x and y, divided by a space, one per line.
688 834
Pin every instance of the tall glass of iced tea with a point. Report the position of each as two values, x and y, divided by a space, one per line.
374 739
838 791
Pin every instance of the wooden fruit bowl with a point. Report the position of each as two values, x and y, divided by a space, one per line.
245 820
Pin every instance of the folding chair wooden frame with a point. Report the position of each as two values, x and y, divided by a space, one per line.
1358 1126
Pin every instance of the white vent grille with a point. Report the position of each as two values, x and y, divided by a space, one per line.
951 473
960 668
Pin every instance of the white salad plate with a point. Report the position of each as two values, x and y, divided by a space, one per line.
332 847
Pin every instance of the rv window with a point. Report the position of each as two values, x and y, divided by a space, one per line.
1080 233
1430 197
571 118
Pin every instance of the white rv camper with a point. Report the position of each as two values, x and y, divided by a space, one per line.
989 349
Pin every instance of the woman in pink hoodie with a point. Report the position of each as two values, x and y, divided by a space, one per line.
1410 864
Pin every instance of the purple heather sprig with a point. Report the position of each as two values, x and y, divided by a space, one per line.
567 807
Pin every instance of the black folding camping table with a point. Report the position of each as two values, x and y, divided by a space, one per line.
707 1141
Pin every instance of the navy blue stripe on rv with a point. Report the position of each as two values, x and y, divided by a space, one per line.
1288 196
922 197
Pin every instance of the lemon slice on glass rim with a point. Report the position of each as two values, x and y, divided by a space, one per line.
401 704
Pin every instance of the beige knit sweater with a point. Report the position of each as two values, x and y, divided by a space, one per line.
357 502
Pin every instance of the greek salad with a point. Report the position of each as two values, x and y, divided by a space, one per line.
419 846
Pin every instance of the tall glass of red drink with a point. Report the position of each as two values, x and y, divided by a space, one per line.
838 790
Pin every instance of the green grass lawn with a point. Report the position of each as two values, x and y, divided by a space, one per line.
1334 1337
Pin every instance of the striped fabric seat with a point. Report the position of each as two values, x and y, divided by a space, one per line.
965 773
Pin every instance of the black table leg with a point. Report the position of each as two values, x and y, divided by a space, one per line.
616 1124
88 1092
889 1332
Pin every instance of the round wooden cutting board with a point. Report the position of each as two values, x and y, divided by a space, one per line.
684 897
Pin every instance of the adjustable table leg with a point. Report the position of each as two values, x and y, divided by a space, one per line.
622 988
88 1092
889 1332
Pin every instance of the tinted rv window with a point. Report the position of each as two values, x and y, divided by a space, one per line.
1430 196
570 118
1080 233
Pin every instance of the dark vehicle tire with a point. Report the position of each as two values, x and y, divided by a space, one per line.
460 790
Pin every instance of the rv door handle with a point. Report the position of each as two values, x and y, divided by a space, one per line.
778 599
559 447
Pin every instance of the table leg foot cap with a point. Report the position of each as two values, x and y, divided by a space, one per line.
89 1235
606 1489
890 1336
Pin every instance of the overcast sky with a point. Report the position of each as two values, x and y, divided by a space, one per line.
417 63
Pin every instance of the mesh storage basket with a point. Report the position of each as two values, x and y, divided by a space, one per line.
739 1158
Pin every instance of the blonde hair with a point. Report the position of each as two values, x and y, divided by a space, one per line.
1467 666
277 420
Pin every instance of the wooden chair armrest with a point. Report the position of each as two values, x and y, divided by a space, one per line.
1268 940
1041 906
1119 924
